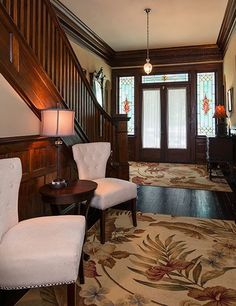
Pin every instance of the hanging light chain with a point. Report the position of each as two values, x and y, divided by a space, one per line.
147 66
147 10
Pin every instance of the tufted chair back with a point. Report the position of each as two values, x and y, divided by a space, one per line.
91 159
10 177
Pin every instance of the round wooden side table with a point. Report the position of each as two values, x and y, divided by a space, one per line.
74 193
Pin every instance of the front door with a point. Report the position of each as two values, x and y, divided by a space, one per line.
165 124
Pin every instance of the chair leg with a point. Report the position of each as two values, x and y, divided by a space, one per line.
81 269
71 294
133 209
102 226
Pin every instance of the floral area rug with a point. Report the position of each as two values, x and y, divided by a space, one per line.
189 176
167 261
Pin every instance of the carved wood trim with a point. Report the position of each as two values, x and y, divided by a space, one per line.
227 26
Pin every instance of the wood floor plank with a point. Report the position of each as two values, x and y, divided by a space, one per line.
187 202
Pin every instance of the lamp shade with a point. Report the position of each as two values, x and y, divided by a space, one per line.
57 122
220 112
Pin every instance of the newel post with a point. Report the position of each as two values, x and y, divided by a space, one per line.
121 145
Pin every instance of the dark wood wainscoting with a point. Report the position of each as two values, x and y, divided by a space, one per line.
38 157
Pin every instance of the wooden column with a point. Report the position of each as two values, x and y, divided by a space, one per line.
121 145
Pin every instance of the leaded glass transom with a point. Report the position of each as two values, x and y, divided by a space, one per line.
126 100
165 78
205 103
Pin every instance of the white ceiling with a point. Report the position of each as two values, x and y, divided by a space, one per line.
173 23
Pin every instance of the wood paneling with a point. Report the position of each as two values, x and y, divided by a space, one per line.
27 78
164 56
38 158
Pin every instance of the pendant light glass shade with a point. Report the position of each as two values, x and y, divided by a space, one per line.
148 66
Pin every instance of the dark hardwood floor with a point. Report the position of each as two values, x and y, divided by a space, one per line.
187 202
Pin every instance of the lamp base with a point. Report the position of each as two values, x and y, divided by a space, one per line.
221 129
58 183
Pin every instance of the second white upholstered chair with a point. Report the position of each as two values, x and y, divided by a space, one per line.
91 160
37 252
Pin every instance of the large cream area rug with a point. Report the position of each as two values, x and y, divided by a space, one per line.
168 261
172 175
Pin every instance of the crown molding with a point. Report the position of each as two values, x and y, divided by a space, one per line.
166 56
227 26
78 30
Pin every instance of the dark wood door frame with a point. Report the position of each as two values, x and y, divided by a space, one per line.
164 154
198 143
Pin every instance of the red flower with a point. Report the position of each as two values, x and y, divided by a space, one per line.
217 296
138 180
90 269
156 273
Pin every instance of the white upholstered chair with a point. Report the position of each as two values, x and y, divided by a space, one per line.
91 160
37 252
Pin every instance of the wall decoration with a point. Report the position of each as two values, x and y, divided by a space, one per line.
97 80
230 93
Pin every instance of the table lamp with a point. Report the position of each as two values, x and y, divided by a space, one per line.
220 115
57 123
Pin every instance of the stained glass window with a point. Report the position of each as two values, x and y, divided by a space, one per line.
205 103
126 100
165 78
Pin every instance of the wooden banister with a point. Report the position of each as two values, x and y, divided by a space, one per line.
38 26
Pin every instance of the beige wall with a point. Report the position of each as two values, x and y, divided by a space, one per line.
16 118
92 62
230 73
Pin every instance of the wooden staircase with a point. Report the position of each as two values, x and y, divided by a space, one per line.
38 61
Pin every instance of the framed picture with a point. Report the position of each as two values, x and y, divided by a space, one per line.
230 99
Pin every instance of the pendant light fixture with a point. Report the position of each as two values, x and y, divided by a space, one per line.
148 66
